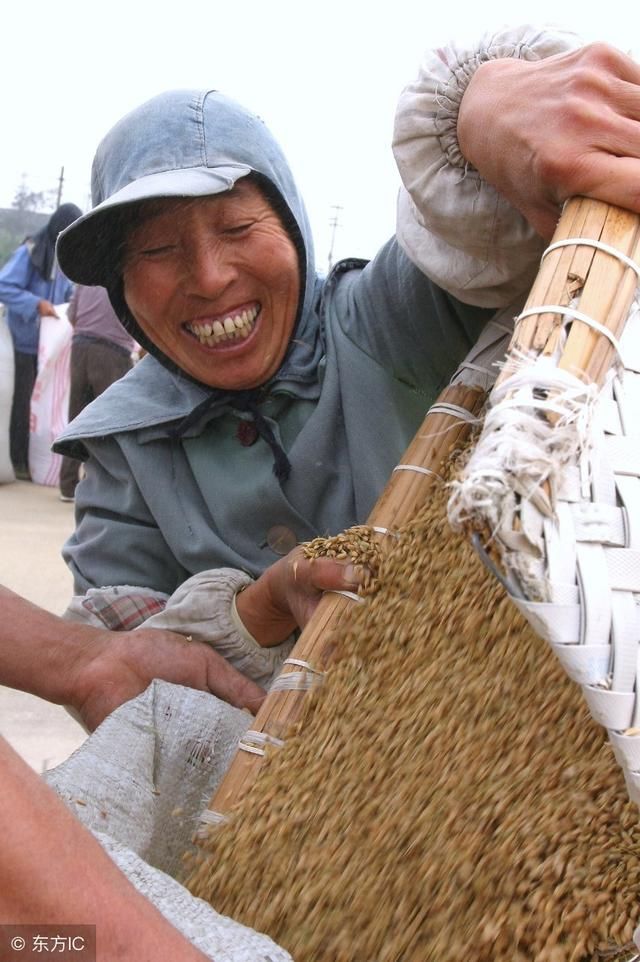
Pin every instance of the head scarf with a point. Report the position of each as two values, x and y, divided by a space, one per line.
187 143
43 252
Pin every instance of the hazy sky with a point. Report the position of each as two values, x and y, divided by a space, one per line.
324 76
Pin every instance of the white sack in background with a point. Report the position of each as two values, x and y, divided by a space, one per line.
50 398
6 397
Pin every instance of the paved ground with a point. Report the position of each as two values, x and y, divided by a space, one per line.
33 526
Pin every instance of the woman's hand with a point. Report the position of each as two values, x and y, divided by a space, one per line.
46 309
542 131
286 595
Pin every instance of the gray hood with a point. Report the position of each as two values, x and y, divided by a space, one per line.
188 143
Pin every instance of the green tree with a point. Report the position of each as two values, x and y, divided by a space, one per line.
15 226
27 199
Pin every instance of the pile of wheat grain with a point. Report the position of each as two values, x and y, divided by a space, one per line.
448 797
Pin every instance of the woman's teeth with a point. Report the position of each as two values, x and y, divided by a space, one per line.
232 328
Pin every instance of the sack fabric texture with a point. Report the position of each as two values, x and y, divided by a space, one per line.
140 782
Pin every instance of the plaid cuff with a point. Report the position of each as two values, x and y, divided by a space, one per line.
123 613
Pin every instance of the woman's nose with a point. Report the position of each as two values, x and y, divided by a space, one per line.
210 270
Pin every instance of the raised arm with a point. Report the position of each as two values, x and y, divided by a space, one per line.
543 131
454 224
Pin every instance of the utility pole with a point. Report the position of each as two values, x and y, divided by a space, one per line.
334 224
60 183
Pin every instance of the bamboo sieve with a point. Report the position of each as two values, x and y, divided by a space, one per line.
551 493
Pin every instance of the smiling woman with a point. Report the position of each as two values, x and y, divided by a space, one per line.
215 285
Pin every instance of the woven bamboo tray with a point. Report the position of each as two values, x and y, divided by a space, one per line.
551 494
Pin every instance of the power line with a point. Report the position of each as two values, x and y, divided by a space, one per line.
60 183
334 223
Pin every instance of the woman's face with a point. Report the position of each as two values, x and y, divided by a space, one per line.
215 283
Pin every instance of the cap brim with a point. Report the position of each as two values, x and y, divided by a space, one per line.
85 249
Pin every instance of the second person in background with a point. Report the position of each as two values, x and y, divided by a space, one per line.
101 353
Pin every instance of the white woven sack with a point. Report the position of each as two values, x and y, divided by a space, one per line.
140 782
6 397
50 398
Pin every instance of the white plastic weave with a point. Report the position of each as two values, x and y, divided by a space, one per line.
140 783
560 499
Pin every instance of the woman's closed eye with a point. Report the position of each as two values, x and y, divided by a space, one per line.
236 230
155 251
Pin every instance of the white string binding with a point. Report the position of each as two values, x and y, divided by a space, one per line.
351 595
297 681
380 530
255 742
576 315
302 664
416 467
212 818
600 245
455 411
517 452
